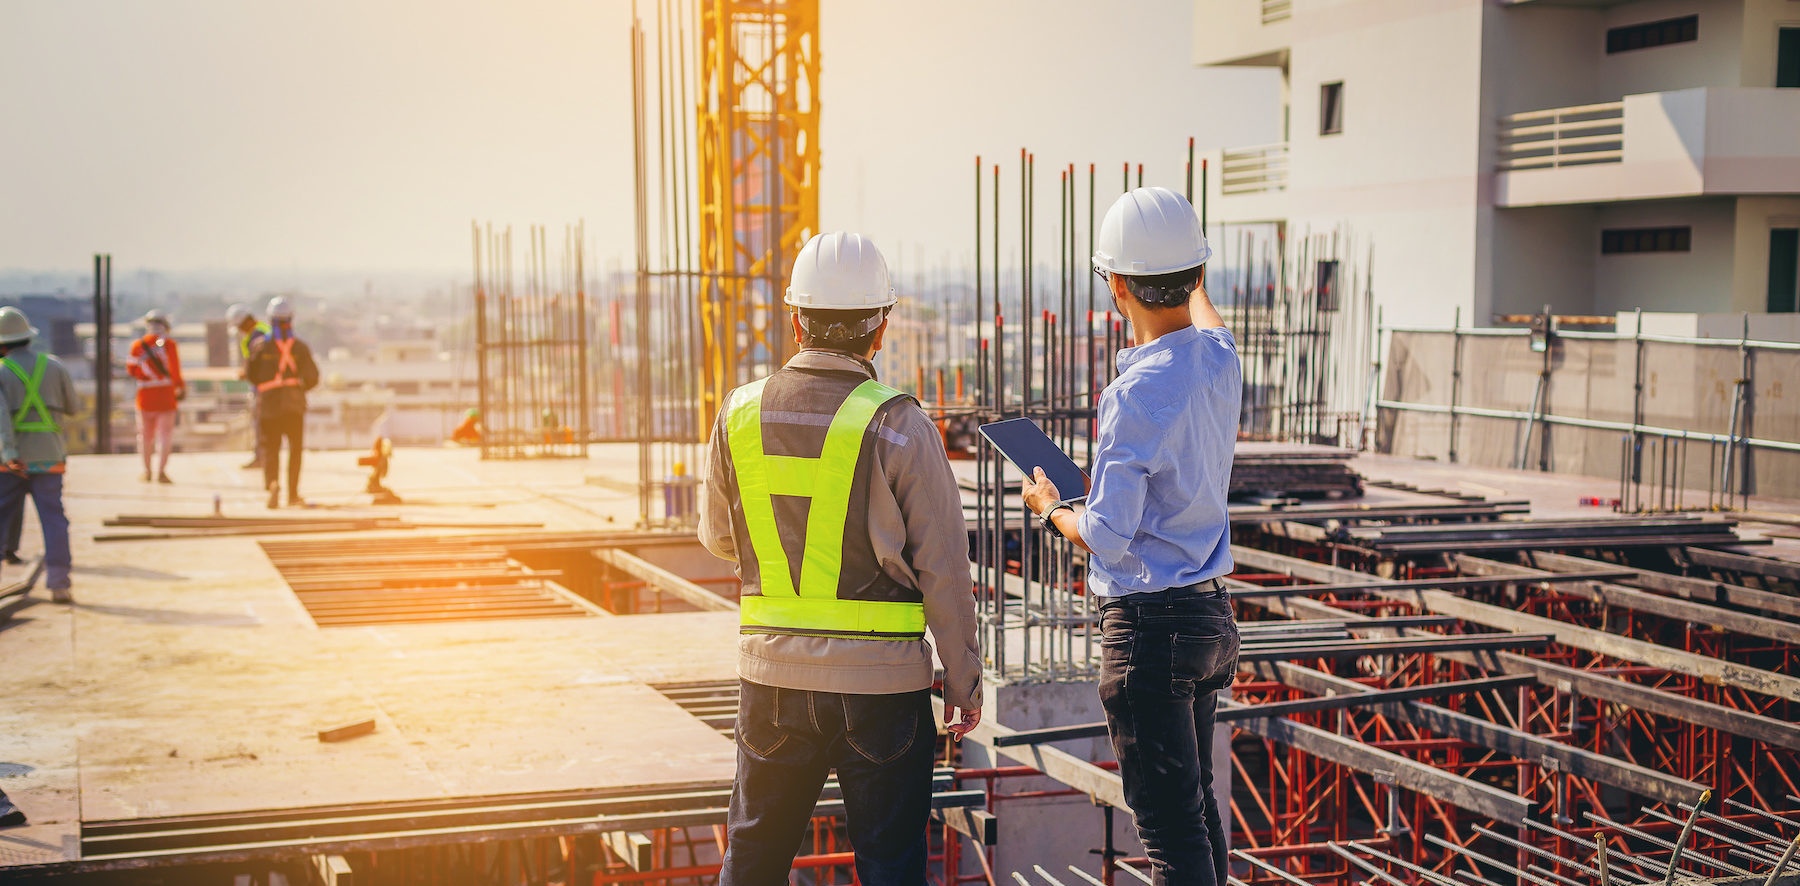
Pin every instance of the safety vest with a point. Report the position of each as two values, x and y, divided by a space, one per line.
261 329
34 398
814 607
287 372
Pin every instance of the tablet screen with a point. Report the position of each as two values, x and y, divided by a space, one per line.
1026 446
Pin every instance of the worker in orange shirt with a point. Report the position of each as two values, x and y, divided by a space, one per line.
156 364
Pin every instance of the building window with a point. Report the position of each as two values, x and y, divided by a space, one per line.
1644 36
1325 275
1784 270
1787 57
1617 241
1331 108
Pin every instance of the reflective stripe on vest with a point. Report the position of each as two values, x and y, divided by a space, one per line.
287 373
34 398
813 608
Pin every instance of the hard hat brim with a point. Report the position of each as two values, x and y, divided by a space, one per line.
1104 263
15 339
792 301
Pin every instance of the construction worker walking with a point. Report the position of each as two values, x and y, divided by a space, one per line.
249 333
156 364
1156 527
282 370
45 394
833 495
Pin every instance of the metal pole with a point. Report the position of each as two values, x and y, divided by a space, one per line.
102 353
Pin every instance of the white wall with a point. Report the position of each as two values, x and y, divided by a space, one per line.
1545 256
1699 280
1762 20
1405 173
1712 60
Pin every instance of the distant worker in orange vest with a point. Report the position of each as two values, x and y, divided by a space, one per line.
469 432
156 364
282 370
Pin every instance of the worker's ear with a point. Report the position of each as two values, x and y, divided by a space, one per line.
794 318
880 333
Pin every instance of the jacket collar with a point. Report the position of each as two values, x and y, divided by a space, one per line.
838 361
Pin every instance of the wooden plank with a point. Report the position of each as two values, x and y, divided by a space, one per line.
1603 642
1655 701
1655 604
332 870
1734 562
347 731
979 825
663 580
1703 589
632 848
1411 774
1535 749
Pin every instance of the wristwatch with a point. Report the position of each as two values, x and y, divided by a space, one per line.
1046 518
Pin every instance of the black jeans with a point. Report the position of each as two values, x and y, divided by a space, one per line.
271 427
1163 659
788 739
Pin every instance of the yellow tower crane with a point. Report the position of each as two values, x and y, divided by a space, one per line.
758 143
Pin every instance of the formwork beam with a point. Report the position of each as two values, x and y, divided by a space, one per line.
1645 601
1732 562
664 581
1577 636
1522 745
1685 587
1423 778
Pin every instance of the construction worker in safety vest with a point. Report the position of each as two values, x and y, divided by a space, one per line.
282 370
40 396
156 364
249 333
833 495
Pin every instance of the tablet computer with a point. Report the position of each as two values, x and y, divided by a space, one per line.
1027 447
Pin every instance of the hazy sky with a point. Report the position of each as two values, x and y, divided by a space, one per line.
366 134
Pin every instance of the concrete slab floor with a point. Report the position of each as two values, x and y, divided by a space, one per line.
187 678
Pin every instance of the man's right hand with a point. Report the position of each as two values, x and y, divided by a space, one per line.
961 726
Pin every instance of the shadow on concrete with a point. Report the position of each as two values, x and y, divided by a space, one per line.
173 616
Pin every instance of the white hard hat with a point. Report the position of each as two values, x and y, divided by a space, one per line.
279 309
236 314
840 272
1150 231
155 315
14 327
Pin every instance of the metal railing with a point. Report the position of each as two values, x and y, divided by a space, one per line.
1575 136
1276 10
1260 169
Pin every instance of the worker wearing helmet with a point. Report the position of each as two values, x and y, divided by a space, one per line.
282 370
156 364
1156 529
833 495
40 395
249 333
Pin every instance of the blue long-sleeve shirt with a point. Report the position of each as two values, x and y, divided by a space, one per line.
1155 516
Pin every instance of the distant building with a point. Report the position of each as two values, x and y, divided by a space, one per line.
1495 157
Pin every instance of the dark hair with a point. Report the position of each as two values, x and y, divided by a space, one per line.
1169 290
839 330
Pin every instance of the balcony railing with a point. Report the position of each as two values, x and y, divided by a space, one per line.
1276 10
1576 136
1258 170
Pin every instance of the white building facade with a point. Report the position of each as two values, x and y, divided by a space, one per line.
1489 158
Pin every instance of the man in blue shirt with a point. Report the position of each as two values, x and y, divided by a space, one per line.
1156 530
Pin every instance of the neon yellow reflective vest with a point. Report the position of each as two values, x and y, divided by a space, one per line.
813 608
34 398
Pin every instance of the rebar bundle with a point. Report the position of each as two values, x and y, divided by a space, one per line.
531 345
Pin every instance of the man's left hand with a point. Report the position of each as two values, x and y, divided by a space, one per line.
1039 492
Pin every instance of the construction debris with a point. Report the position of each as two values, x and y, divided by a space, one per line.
1304 472
347 731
